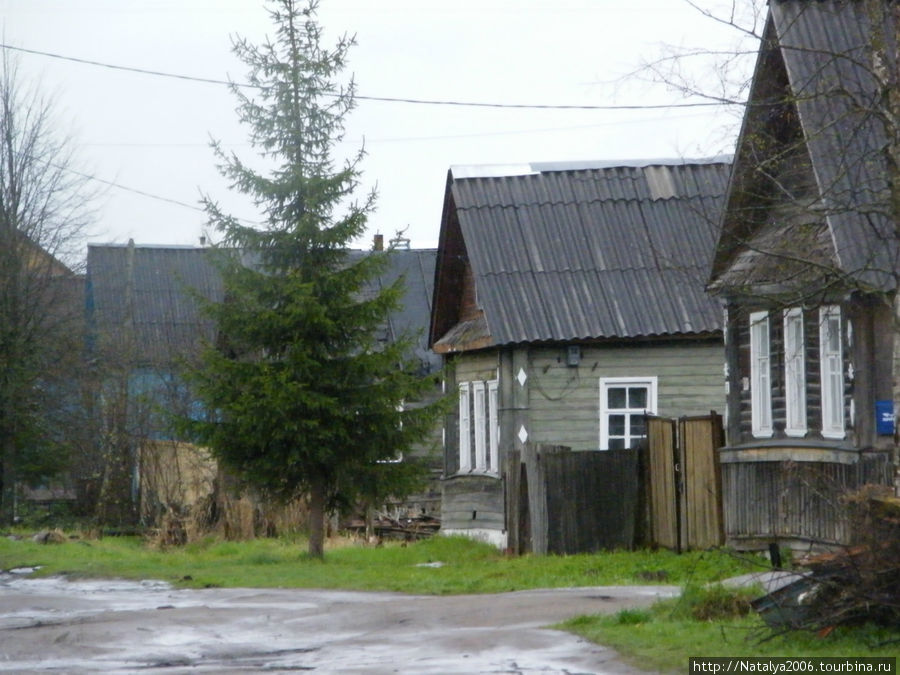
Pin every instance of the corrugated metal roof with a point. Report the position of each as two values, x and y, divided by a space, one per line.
165 320
609 252
826 47
161 316
416 266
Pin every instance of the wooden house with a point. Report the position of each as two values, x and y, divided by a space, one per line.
807 264
146 323
569 302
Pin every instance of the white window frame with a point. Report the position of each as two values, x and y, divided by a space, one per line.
794 373
831 362
607 383
478 406
760 375
494 429
465 451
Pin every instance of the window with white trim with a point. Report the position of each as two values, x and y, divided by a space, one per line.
479 430
832 369
760 375
794 373
623 403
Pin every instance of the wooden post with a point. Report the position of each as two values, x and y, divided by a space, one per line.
512 491
537 493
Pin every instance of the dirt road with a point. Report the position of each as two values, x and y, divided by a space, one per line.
118 626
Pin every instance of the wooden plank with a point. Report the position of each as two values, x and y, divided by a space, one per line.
702 496
533 458
472 502
563 400
512 478
591 500
662 497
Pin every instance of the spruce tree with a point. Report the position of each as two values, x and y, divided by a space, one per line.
302 397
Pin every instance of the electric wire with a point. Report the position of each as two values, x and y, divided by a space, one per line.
389 99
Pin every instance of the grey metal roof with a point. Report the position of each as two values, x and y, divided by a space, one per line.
167 323
145 294
416 266
826 51
826 48
610 252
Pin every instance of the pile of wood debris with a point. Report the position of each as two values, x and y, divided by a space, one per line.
409 528
857 584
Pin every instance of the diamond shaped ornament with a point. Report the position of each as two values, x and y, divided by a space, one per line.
523 434
522 377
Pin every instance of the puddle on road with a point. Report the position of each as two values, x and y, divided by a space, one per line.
117 626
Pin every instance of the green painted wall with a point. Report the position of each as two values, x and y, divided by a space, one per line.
564 401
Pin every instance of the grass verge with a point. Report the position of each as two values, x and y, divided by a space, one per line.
442 565
717 622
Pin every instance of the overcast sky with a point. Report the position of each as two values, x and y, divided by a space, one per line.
150 133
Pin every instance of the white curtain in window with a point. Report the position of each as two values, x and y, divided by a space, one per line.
832 369
465 450
760 375
794 372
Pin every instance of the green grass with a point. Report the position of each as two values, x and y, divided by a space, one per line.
664 636
703 622
468 566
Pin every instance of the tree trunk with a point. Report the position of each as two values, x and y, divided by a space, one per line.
317 519
7 483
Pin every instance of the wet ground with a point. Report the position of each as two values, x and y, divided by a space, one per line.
55 625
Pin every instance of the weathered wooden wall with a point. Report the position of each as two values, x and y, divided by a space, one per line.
564 401
870 328
795 502
473 503
545 401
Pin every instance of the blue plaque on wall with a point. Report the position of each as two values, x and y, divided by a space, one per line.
884 418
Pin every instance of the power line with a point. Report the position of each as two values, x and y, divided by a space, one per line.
136 191
384 99
142 193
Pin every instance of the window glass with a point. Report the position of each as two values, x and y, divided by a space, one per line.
617 425
637 397
616 397
638 428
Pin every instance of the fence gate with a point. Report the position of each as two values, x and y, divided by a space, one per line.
684 482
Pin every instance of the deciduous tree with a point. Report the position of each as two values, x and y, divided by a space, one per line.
43 211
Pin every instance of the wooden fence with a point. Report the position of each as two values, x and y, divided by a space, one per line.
667 493
683 482
565 502
798 503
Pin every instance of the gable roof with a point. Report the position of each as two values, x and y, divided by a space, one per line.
822 53
560 253
145 294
